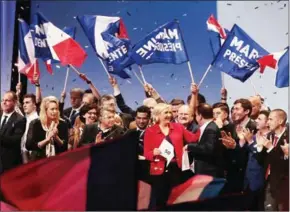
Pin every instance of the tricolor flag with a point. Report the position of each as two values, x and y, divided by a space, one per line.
280 62
217 34
163 45
27 63
108 37
52 43
92 178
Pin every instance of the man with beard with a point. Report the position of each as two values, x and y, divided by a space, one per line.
237 154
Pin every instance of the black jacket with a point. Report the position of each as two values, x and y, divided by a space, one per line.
208 152
10 141
36 134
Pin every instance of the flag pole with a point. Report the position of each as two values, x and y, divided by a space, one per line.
142 75
204 75
66 78
223 79
19 77
138 77
254 87
104 67
190 71
75 69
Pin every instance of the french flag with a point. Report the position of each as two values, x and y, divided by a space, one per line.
280 62
217 34
27 63
62 47
95 25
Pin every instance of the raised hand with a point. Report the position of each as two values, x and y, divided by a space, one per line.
84 77
36 78
224 93
18 88
219 122
194 89
113 81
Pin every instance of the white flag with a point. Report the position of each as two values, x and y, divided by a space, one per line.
167 150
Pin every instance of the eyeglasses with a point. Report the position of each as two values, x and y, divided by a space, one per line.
92 113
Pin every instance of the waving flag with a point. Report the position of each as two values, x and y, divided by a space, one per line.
217 34
83 182
238 55
280 62
109 39
164 45
27 63
53 43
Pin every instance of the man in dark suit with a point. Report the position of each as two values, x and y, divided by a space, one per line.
277 162
105 129
237 154
12 127
208 152
76 96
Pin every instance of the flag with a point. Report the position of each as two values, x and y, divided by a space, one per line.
238 55
55 44
163 45
27 63
280 62
217 34
71 32
108 37
92 178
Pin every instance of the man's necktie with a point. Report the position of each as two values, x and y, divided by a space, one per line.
3 122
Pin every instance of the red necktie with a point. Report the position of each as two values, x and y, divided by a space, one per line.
274 145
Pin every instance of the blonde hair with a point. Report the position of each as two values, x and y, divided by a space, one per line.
157 110
119 121
43 109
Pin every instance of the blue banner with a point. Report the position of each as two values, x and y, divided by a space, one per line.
164 45
238 55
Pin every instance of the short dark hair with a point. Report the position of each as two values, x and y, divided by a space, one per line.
205 110
223 106
200 98
31 96
177 102
88 91
265 113
144 109
86 108
245 103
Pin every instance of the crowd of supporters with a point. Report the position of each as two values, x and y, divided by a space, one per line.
246 143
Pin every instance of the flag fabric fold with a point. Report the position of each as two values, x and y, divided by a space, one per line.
27 63
95 177
238 55
280 62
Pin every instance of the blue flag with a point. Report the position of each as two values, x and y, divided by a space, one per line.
238 55
164 45
118 59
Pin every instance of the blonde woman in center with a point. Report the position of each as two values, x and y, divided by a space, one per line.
165 177
48 135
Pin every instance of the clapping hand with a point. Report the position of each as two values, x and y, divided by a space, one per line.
248 135
228 140
285 148
99 138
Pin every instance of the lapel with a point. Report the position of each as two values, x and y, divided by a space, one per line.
10 123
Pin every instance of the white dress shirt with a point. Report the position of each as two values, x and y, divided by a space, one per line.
8 116
29 118
202 128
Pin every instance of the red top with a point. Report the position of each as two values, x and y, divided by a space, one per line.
153 138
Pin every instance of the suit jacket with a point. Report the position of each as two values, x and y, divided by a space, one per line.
279 174
123 107
10 141
153 138
36 134
208 152
236 161
66 114
90 132
254 176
